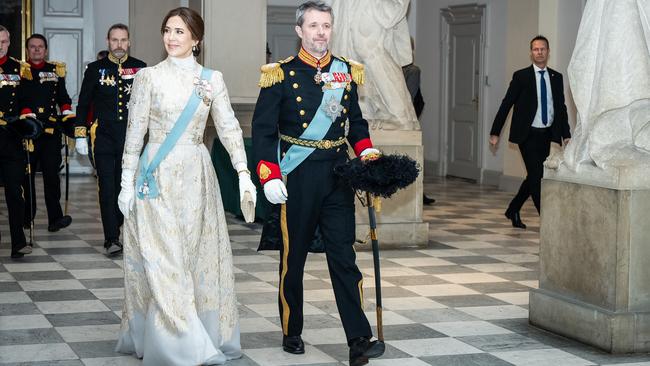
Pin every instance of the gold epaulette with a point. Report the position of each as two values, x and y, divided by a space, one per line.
272 73
60 68
25 70
357 70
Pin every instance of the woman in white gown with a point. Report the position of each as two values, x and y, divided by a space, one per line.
180 306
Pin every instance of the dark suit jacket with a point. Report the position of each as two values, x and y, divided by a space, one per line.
522 94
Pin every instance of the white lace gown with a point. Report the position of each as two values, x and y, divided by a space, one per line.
180 306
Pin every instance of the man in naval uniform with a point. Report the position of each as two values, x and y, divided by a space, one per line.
12 154
43 90
307 109
107 86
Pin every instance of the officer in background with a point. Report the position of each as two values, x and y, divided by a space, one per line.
106 88
43 90
12 154
306 112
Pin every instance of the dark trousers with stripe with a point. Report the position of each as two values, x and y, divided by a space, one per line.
47 156
108 145
533 151
12 169
317 198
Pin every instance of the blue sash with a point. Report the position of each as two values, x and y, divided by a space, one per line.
317 128
146 186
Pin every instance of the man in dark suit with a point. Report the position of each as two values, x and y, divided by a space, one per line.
539 117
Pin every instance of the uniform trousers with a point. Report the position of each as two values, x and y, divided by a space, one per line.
47 156
108 146
12 170
317 198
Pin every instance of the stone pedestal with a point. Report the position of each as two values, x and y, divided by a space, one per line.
399 223
594 264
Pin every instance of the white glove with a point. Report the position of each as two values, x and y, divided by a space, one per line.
126 199
369 150
275 191
246 185
247 196
67 112
81 145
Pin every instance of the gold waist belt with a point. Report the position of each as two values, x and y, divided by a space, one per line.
318 144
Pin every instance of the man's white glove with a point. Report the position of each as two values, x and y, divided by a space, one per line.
81 145
369 150
275 191
247 195
126 199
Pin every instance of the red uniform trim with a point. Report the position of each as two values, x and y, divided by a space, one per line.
267 171
25 111
37 65
362 145
66 107
3 59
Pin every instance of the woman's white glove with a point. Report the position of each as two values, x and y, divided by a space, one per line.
81 145
275 191
126 199
247 196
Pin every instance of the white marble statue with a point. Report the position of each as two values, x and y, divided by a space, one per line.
375 33
609 74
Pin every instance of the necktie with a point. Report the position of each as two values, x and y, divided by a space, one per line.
542 92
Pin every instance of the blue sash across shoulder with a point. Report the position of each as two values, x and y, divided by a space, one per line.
146 186
317 128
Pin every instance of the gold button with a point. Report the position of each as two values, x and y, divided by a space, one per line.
304 125
120 103
120 95
119 82
120 110
342 124
120 88
345 97
302 112
292 73
345 110
295 85
298 99
12 94
120 117
53 99
283 154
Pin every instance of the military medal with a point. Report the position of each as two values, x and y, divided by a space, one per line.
332 108
318 77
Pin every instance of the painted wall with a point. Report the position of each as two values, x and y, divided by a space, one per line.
106 14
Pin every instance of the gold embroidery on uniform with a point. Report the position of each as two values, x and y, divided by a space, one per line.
285 259
265 171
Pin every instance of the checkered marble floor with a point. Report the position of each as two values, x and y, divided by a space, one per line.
460 301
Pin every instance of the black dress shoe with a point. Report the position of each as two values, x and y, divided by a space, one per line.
426 200
515 219
17 255
113 247
362 348
293 344
59 224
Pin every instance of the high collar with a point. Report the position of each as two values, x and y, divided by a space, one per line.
116 60
186 63
37 65
3 59
312 61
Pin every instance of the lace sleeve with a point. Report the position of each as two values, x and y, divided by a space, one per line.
227 125
139 106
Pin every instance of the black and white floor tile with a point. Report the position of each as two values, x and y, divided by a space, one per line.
460 301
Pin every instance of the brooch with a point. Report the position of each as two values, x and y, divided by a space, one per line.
203 90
